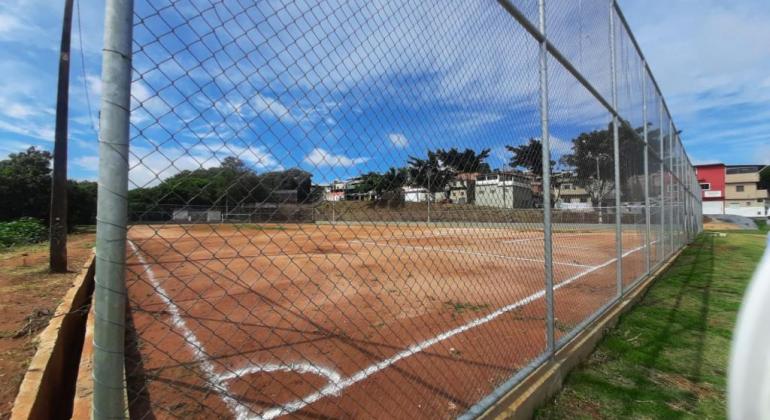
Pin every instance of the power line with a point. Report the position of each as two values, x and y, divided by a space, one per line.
83 69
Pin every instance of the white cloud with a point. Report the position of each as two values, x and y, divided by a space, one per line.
710 58
14 29
398 140
13 146
9 23
18 111
42 132
94 84
320 157
559 146
89 162
257 156
149 166
266 105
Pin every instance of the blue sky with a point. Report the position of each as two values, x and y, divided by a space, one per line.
344 90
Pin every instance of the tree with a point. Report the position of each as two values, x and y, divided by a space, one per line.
81 203
631 165
394 179
764 178
530 157
290 179
369 182
431 173
592 162
466 161
25 185
229 185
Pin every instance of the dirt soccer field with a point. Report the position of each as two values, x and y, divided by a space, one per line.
350 321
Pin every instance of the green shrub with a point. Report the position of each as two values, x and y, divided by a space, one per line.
22 231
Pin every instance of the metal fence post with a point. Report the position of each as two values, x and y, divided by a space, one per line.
662 169
646 171
671 203
110 291
546 158
616 155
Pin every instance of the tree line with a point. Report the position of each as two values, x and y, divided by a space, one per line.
588 164
229 185
25 190
25 177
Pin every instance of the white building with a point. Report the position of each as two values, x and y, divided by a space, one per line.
505 190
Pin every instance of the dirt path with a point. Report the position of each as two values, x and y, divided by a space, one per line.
29 294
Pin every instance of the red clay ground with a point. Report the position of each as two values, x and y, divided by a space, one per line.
355 321
27 293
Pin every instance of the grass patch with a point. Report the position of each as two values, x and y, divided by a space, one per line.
458 308
667 358
762 226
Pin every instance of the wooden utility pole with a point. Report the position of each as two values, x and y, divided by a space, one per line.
58 214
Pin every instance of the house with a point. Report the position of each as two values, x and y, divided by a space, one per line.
743 196
711 178
335 191
352 192
346 191
504 190
732 189
462 188
573 197
415 194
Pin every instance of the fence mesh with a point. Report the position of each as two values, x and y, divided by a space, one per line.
337 209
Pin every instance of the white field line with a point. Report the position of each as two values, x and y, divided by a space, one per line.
218 382
463 252
214 381
330 374
335 388
557 236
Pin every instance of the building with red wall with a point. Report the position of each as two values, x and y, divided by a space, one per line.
712 183
733 189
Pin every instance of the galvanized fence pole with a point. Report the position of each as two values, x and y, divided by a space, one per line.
646 171
111 219
662 169
671 203
546 158
616 155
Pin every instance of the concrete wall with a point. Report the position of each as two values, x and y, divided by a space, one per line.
507 196
747 211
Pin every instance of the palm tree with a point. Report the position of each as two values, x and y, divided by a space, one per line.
465 161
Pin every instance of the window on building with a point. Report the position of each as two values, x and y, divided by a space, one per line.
759 200
567 186
739 188
705 186
748 203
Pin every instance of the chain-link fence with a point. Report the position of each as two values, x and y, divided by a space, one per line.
380 209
